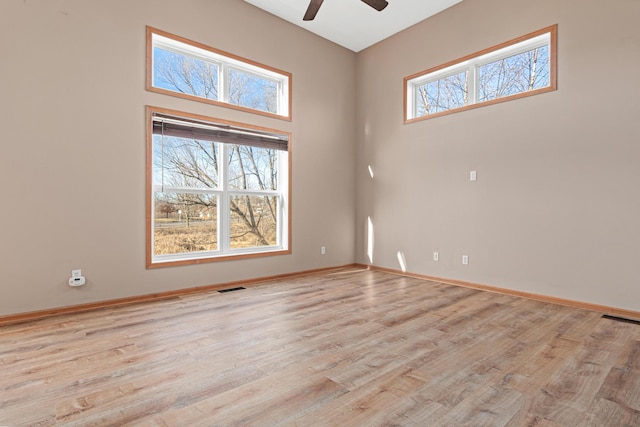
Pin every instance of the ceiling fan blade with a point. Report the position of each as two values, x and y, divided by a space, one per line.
312 10
377 4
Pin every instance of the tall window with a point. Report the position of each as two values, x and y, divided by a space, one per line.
184 68
216 189
521 67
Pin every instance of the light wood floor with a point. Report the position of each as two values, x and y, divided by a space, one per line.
348 348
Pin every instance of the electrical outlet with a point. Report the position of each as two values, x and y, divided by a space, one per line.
323 250
473 176
436 256
465 259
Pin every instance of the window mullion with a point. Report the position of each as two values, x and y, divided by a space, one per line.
472 81
281 98
412 102
223 82
283 211
224 216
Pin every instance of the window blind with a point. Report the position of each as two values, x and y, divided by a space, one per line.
195 129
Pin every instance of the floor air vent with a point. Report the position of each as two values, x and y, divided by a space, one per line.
621 319
231 289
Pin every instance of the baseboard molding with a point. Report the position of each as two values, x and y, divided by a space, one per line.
504 291
40 314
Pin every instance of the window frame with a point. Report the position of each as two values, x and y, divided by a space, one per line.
223 253
471 64
225 61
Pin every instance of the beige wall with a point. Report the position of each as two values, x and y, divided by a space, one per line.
556 208
73 144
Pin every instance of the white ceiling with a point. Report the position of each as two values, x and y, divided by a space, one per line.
352 23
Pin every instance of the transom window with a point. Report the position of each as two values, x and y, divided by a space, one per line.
216 189
183 68
521 67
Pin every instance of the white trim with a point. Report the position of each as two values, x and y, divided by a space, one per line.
224 214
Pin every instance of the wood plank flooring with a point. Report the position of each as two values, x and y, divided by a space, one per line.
346 348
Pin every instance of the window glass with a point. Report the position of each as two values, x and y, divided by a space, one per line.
515 74
185 163
185 74
442 94
185 223
253 168
250 90
254 221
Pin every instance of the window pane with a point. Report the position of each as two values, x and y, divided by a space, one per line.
253 221
185 223
515 74
184 163
253 168
252 91
442 94
184 74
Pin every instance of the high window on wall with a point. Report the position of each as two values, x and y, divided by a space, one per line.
215 189
521 67
184 68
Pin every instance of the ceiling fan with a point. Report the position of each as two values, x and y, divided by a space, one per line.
314 6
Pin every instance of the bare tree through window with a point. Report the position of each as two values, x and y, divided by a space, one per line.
521 67
190 219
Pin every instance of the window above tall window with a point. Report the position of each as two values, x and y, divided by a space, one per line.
521 67
187 69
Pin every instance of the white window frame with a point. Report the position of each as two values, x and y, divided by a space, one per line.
224 192
225 61
471 64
